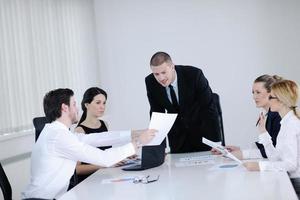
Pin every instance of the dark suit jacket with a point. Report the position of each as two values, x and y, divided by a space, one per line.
197 116
273 127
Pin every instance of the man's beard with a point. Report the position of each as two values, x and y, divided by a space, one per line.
74 119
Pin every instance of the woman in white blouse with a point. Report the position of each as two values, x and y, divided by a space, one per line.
286 155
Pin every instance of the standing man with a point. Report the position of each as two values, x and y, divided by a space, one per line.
56 152
183 90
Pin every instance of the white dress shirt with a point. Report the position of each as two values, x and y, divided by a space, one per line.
251 153
56 152
286 155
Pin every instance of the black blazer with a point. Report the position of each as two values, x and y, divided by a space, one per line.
197 116
273 127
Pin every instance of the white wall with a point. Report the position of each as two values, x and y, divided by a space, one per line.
17 170
15 159
232 41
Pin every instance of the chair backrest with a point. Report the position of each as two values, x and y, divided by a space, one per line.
39 123
5 185
216 100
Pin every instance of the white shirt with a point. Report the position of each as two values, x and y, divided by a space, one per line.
56 152
251 154
286 155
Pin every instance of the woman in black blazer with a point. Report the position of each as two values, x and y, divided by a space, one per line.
261 90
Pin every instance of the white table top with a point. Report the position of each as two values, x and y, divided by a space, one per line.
189 182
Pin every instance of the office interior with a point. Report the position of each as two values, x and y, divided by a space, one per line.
48 44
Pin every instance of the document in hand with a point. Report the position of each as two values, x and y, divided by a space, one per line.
162 122
222 149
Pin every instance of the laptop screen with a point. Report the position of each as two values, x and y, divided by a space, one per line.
152 156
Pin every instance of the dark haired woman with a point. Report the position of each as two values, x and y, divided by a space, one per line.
93 106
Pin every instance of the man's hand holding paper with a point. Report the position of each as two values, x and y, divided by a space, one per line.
162 122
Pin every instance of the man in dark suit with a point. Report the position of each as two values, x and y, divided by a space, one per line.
183 90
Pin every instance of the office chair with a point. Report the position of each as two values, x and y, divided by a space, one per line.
39 123
5 185
216 100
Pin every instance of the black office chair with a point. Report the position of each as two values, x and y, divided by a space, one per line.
39 123
216 100
5 185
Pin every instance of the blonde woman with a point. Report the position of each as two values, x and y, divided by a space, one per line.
286 155
261 90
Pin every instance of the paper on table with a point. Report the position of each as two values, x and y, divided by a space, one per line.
221 148
194 163
162 122
198 158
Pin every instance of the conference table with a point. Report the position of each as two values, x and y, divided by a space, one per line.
185 176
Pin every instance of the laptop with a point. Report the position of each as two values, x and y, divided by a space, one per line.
152 156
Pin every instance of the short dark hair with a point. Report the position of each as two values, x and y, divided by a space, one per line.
53 101
159 58
88 97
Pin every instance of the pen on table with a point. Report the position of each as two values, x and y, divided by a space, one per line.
122 179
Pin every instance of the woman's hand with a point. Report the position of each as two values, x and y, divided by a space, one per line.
229 148
238 154
262 123
126 161
252 166
119 164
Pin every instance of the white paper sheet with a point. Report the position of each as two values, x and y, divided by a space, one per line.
162 122
222 149
198 158
194 163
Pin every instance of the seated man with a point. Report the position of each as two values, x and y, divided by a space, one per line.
55 154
